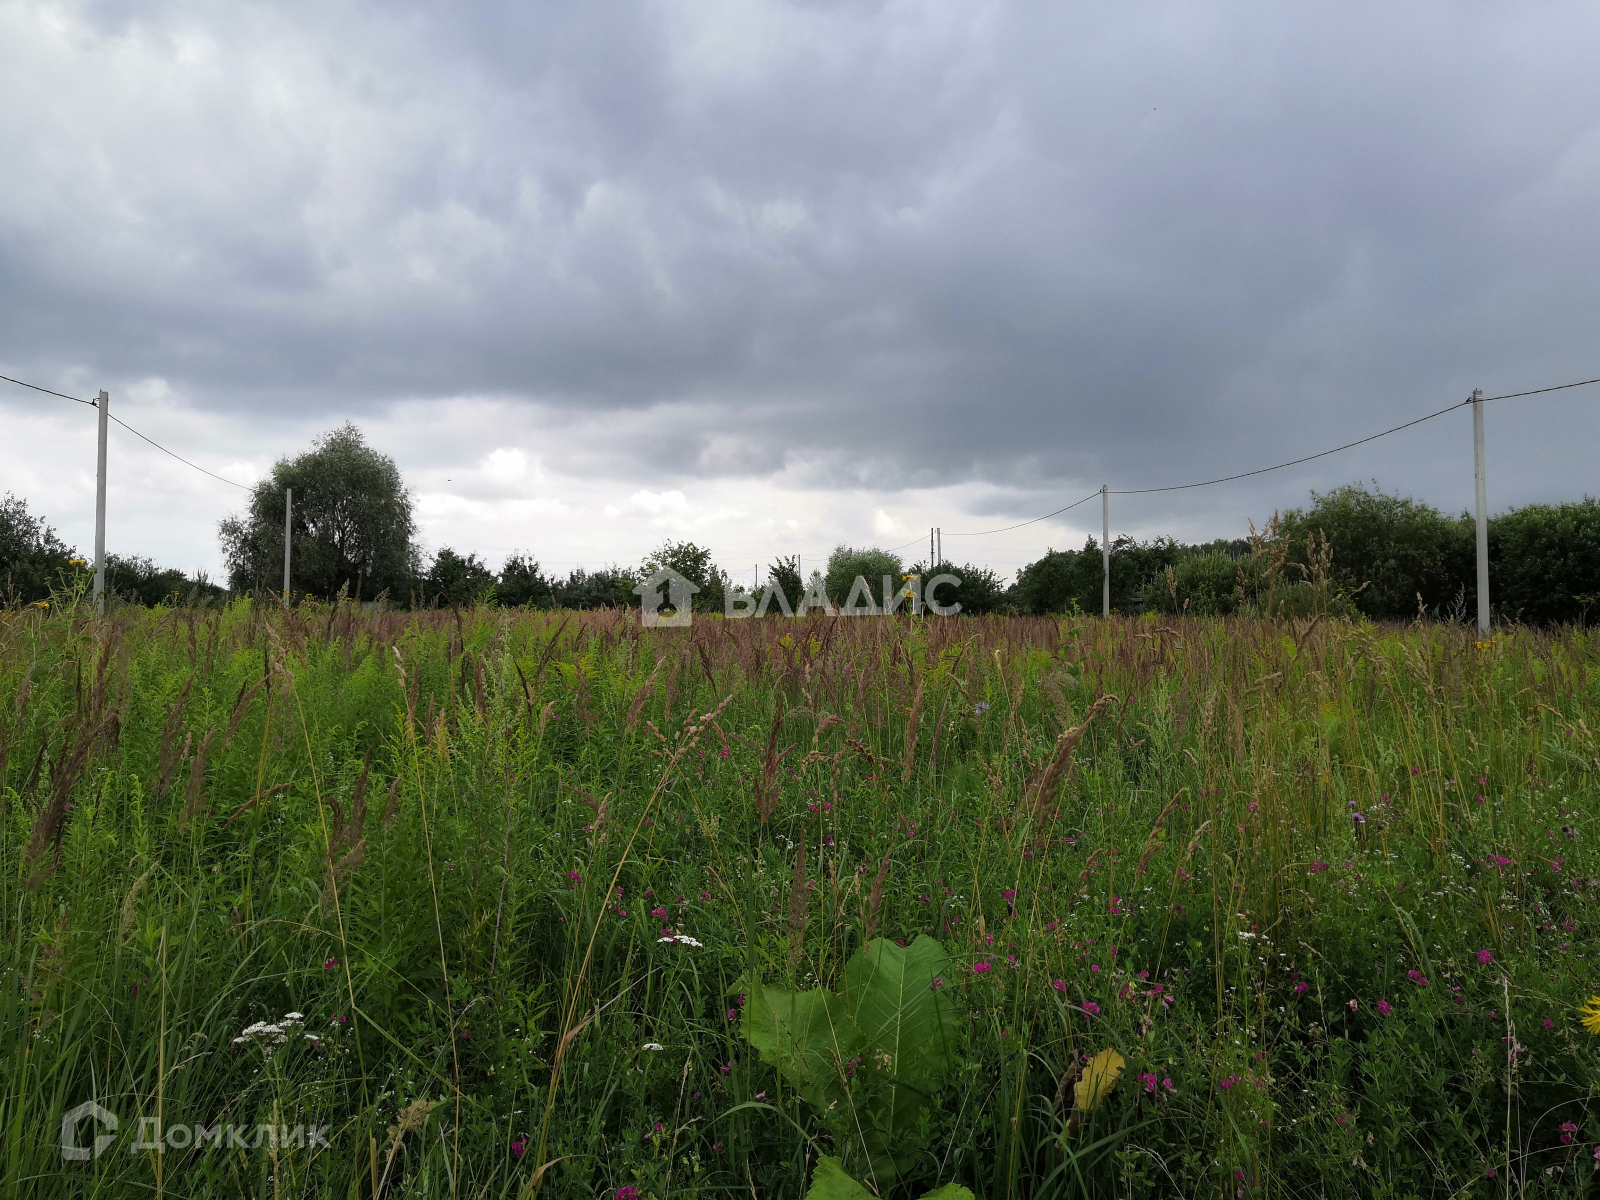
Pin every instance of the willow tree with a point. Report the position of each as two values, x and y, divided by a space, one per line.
352 524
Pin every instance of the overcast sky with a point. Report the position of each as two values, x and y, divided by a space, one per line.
775 276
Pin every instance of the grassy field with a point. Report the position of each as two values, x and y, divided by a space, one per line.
565 907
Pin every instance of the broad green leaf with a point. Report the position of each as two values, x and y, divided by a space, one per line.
830 1182
950 1191
911 1027
807 1036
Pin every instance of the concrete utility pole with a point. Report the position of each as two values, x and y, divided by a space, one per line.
288 526
939 534
1105 548
1482 489
103 403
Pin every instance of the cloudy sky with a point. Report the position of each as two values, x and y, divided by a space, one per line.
773 276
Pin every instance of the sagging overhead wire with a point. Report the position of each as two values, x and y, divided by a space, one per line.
130 429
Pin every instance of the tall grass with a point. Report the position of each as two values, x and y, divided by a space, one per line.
463 846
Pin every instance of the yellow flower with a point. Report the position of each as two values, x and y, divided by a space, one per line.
1590 1013
41 604
76 562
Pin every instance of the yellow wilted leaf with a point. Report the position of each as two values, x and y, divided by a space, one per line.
1099 1077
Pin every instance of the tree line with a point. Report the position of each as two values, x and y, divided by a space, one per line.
1356 550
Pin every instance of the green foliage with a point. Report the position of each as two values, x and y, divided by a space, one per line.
138 580
1544 563
694 564
979 591
522 584
33 560
784 574
352 517
830 1181
456 579
872 1057
1071 580
503 863
1389 547
1200 585
870 563
609 587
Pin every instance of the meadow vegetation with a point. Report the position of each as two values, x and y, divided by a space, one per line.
519 903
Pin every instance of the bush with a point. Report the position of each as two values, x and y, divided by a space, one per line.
139 580
33 560
523 585
1544 563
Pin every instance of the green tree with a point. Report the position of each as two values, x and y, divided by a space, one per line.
980 590
455 578
784 572
522 584
32 558
846 563
610 587
1544 563
353 523
1398 547
694 564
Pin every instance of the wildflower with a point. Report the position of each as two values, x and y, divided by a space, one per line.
1090 1007
981 968
936 984
1418 978
1354 1004
1167 1083
330 964
1567 1130
658 912
1301 988
1384 1008
1484 958
627 1193
519 1147
339 1019
1589 1013
1318 867
652 1046
683 939
1549 1024
1060 985
981 707
761 1095
1149 1081
1228 1083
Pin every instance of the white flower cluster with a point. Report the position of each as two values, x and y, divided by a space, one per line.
683 939
266 1033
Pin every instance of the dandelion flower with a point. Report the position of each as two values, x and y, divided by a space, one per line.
1589 1013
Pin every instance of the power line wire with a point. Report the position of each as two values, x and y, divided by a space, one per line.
1179 487
45 390
179 457
1560 387
1035 521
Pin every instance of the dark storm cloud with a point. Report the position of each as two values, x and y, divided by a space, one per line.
885 245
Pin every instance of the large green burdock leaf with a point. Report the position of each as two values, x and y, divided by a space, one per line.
807 1036
910 1029
831 1182
889 991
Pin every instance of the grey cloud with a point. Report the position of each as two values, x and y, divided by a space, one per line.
882 246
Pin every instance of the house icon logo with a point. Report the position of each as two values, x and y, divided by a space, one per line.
70 1149
678 593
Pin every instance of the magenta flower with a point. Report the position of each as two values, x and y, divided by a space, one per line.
1090 1007
519 1147
1060 985
627 1193
981 968
1301 987
1485 958
1148 1080
1385 1008
1567 1130
330 964
1418 978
